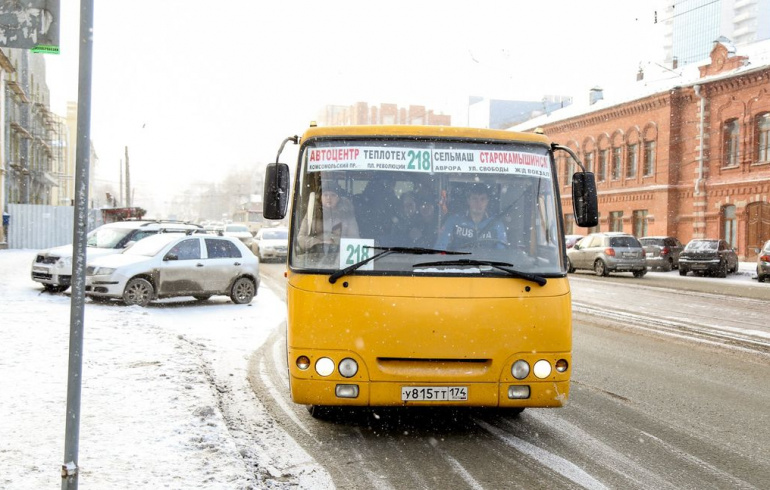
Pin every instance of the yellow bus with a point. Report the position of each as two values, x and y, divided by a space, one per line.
426 267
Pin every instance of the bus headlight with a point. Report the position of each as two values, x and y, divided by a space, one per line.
348 367
520 369
324 366
542 369
561 365
303 362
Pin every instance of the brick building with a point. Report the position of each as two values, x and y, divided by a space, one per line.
687 157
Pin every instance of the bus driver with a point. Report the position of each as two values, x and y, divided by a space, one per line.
474 228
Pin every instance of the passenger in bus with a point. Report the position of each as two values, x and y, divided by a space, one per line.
378 208
474 228
418 225
335 220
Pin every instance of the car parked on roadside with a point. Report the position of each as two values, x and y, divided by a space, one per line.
662 252
608 252
763 263
271 243
53 267
171 265
708 256
571 240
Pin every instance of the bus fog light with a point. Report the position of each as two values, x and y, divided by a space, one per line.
542 369
561 365
324 366
348 367
346 391
303 362
520 369
518 392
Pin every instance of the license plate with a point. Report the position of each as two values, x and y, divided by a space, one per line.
698 266
628 255
434 393
39 269
649 255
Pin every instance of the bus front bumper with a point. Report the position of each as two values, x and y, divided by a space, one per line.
356 393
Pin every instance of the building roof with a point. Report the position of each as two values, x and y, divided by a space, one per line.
659 79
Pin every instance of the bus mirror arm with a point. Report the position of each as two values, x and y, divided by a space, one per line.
584 198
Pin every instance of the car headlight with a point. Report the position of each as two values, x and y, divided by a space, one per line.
104 271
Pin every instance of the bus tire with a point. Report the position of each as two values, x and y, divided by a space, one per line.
321 412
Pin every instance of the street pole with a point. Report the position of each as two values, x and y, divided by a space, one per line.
70 471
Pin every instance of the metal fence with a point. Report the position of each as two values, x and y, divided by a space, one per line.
37 226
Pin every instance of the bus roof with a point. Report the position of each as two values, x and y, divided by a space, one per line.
450 132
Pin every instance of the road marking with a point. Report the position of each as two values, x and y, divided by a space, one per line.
555 463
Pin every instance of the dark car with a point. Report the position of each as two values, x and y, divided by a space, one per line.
763 263
662 252
708 256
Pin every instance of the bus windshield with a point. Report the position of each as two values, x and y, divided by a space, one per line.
484 202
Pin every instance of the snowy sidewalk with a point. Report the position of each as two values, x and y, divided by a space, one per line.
165 400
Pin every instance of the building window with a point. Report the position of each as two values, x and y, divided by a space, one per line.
730 225
617 161
763 137
569 224
601 172
588 162
731 132
649 158
616 221
640 223
631 161
569 169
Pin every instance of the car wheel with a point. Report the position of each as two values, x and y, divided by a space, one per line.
761 278
54 289
600 268
243 291
138 292
722 271
682 271
640 273
570 269
669 265
202 297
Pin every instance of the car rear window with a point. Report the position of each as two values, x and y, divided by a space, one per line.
624 241
652 241
702 245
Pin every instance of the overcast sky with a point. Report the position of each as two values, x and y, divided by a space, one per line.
194 87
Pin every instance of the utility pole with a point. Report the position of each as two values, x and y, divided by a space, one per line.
128 182
121 184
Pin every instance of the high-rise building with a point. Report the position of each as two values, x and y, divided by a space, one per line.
692 26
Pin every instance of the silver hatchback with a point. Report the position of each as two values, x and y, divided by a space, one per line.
608 252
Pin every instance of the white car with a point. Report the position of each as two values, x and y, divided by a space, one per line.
169 265
239 231
271 243
53 267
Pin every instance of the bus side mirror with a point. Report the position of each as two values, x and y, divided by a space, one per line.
276 194
584 200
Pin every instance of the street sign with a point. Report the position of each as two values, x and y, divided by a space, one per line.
30 24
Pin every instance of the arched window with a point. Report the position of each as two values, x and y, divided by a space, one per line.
762 124
730 138
730 230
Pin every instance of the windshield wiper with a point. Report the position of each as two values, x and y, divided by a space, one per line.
387 251
503 266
